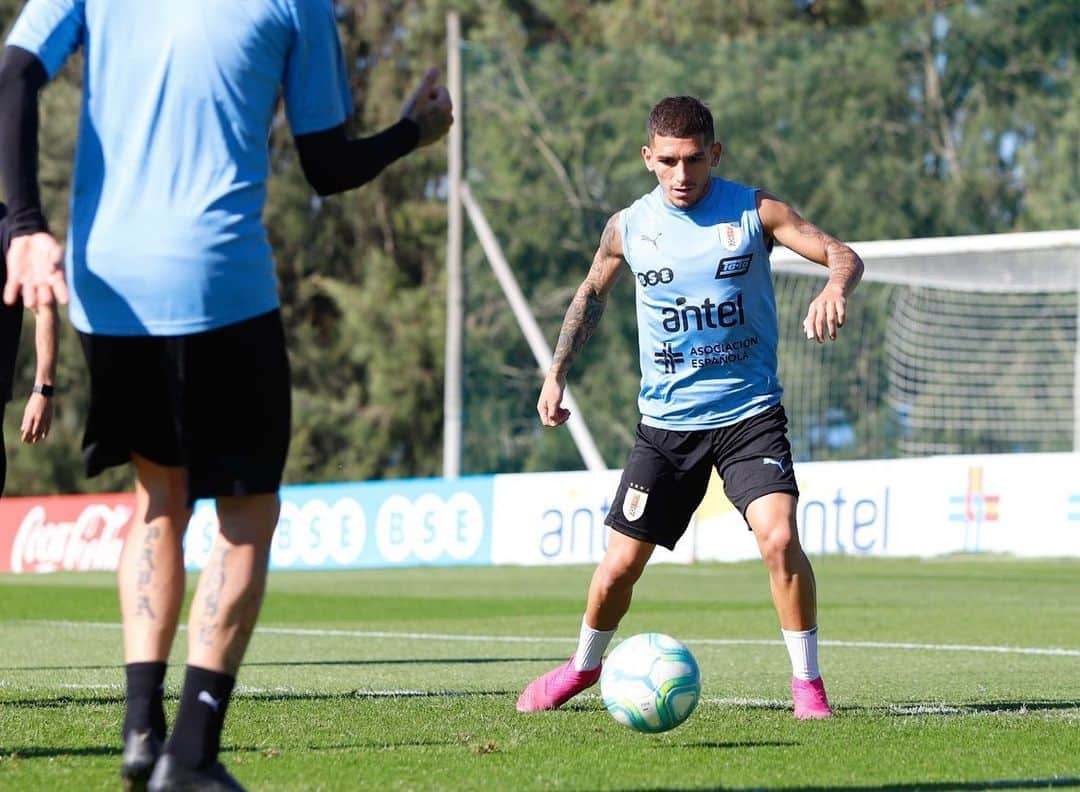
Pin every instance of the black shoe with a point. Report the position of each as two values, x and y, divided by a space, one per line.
171 776
141 752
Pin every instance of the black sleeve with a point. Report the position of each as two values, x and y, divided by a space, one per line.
332 163
22 76
3 237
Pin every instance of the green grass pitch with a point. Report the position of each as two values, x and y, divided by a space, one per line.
947 674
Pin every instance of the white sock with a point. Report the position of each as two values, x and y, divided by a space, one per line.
802 648
591 647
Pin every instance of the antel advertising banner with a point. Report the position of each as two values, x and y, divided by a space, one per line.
558 518
1017 504
1021 504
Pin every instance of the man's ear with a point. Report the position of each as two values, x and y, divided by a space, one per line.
646 154
714 154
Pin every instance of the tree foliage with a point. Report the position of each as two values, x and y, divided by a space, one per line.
876 118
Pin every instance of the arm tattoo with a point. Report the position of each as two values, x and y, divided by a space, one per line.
845 266
589 301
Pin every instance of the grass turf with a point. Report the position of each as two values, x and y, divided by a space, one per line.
406 679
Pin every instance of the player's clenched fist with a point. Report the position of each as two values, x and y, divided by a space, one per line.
549 406
430 107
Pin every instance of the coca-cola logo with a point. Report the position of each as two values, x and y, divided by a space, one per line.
93 540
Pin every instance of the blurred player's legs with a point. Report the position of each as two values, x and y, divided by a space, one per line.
794 594
151 584
224 611
609 598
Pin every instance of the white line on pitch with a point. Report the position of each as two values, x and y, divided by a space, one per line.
451 637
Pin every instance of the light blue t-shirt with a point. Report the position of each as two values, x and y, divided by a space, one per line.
166 233
706 310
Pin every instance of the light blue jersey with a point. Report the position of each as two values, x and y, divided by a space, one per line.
166 233
706 311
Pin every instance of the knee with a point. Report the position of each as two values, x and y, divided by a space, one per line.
779 547
618 573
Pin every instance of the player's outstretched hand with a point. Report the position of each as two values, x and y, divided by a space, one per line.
826 314
430 107
35 267
549 406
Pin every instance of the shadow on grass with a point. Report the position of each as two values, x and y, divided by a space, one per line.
37 752
915 786
589 704
944 708
923 708
259 696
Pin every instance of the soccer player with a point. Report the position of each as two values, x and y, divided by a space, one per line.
37 415
174 296
698 247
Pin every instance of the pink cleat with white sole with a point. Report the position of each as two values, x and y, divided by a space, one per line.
556 687
811 703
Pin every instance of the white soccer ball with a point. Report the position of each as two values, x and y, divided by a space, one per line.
650 682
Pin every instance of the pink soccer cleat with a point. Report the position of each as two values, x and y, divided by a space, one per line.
553 689
811 703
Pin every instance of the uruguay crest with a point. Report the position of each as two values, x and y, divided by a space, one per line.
730 235
633 505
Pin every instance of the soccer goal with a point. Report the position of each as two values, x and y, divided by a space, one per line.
953 345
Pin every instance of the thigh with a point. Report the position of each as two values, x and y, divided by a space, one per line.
662 484
236 408
753 458
132 402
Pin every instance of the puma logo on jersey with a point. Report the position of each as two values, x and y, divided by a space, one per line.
652 240
770 461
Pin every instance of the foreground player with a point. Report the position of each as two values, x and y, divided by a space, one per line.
710 397
37 415
175 299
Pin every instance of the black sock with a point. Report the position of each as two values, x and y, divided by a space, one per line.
196 734
145 688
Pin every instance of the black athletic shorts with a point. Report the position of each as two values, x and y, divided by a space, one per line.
217 403
668 472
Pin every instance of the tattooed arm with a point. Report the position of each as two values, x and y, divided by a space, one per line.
581 320
828 310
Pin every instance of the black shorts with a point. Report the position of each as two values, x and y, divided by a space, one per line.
668 472
217 403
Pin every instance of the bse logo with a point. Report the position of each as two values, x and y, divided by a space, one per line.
733 267
654 277
669 359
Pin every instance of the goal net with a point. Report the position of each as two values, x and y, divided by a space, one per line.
953 345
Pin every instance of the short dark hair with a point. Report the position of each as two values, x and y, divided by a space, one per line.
681 117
